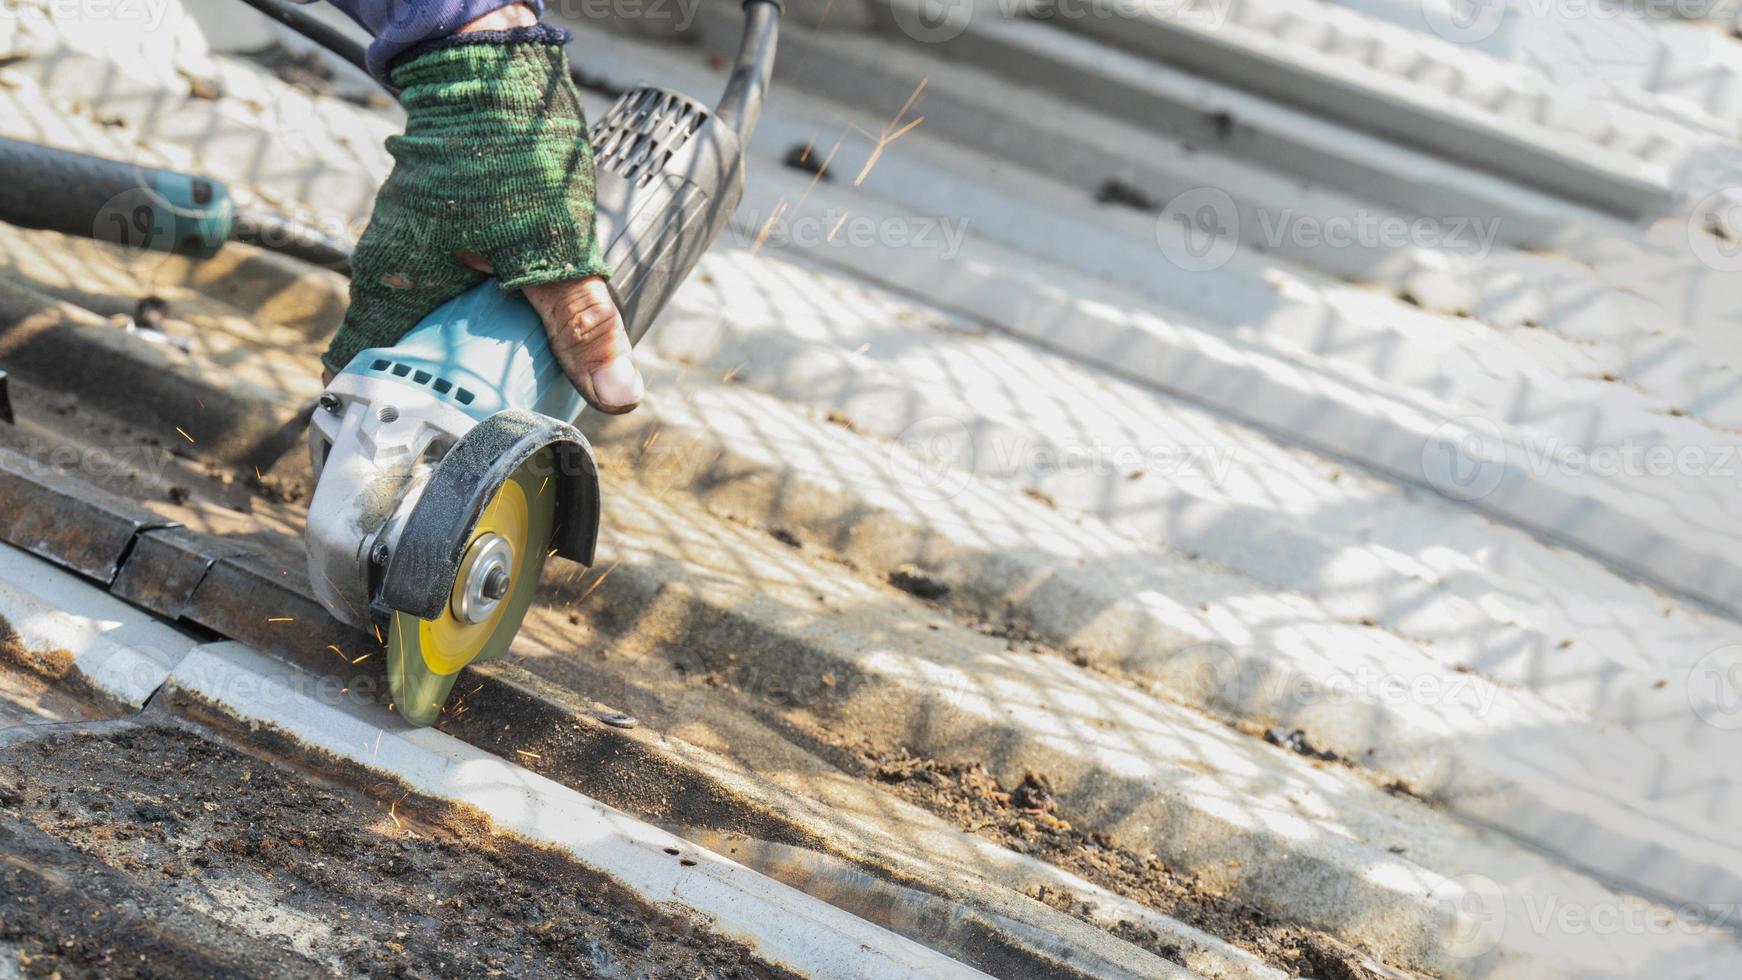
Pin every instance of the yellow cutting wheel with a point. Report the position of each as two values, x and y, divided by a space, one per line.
508 545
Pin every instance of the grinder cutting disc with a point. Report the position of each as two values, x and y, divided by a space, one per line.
497 580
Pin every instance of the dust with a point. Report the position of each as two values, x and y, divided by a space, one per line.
1025 818
355 879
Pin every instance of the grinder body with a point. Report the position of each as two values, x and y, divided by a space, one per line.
434 454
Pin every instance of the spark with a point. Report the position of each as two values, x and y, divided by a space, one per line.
378 638
529 755
818 176
335 648
337 591
733 373
652 438
282 619
541 487
838 224
600 580
888 137
761 236
184 434
391 807
359 660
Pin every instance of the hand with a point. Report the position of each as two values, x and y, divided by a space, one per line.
587 336
493 176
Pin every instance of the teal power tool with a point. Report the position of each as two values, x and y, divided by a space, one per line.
448 468
145 209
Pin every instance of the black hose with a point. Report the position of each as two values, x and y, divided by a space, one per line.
334 40
279 233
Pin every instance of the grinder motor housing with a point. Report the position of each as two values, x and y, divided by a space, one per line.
411 441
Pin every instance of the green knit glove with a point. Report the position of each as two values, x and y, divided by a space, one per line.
494 160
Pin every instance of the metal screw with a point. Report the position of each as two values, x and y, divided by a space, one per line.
495 583
378 554
330 402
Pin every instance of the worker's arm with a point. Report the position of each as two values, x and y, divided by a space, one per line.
493 175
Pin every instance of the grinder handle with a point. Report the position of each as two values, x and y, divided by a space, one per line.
741 102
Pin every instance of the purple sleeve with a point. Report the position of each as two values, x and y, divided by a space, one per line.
398 25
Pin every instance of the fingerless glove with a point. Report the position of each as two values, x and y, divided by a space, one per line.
494 160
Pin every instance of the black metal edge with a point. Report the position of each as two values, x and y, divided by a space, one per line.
67 521
426 559
165 568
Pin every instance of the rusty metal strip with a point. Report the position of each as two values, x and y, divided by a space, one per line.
66 520
165 569
265 601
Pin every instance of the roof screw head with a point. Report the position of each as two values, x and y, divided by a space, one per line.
330 402
378 554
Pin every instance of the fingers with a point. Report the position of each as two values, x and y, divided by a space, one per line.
587 336
475 262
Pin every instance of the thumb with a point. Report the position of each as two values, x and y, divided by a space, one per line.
587 336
